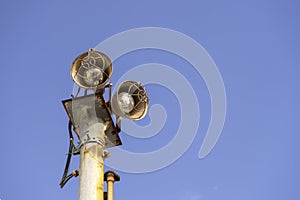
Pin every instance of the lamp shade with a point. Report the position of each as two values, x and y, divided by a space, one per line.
91 70
130 101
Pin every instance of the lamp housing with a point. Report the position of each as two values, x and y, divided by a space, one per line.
91 70
130 101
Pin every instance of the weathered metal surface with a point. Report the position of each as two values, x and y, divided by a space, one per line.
86 113
110 190
91 179
110 177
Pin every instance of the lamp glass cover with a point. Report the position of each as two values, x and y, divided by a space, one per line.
93 76
126 102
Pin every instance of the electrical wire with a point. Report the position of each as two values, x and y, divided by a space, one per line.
66 177
77 92
74 173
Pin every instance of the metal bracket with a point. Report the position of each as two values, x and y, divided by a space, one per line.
106 154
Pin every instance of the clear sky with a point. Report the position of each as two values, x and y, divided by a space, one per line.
255 45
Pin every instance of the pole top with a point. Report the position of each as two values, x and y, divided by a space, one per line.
111 174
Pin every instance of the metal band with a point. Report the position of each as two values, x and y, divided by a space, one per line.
91 140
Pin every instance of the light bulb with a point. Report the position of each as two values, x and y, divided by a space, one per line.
93 76
126 102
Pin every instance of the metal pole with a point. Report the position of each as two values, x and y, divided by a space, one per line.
91 172
110 188
110 177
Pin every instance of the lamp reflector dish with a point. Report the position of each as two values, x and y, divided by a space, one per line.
130 101
91 70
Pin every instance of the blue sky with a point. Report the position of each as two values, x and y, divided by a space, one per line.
255 45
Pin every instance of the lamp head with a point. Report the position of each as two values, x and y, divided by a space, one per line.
130 101
91 70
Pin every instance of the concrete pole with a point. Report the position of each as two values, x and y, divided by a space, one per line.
110 178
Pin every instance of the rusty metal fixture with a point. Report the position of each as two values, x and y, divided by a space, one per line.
76 109
90 117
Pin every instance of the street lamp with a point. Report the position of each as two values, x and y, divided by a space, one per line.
90 117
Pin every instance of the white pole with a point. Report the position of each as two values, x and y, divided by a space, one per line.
91 172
